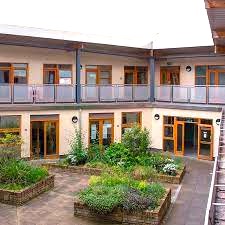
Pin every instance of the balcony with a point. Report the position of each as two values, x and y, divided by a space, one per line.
190 94
39 94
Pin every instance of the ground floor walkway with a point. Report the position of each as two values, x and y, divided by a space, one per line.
56 207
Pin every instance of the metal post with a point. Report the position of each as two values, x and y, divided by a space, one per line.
78 84
152 78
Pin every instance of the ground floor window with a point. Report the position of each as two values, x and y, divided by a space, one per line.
101 128
188 136
9 124
44 136
129 119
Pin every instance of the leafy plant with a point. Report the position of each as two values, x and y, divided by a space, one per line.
170 169
10 145
95 153
78 153
143 172
17 174
136 140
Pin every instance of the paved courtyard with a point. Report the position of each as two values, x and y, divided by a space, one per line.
56 207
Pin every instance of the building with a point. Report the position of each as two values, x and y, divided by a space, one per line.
51 85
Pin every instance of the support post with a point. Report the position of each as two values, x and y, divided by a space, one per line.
78 84
152 78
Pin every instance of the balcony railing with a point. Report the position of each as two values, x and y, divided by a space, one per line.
35 94
190 94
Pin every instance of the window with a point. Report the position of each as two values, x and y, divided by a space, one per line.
9 124
170 75
57 74
168 133
98 74
129 119
135 75
210 75
13 73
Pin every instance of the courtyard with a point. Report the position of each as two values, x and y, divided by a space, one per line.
189 200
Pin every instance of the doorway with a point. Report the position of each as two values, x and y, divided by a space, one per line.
188 136
44 139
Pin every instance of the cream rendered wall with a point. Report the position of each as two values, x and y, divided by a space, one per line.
36 57
157 125
187 78
117 62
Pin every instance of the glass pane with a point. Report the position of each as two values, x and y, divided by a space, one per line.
179 137
94 132
205 134
168 131
174 78
130 118
51 138
217 67
20 76
105 77
200 81
124 129
37 139
65 73
4 76
212 78
168 145
9 122
19 65
201 70
129 78
91 78
221 78
205 149
168 120
142 78
107 133
65 81
164 77
49 77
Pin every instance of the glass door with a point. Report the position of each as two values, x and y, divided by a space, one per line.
101 131
205 141
50 76
179 140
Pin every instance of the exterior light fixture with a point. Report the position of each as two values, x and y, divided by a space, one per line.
218 121
188 68
74 119
157 116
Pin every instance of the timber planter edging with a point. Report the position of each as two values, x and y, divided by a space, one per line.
96 171
149 217
20 197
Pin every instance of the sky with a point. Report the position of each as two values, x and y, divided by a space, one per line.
168 23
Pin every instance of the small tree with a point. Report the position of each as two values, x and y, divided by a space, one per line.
10 146
78 153
136 140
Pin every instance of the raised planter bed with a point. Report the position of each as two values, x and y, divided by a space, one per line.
24 195
149 217
96 171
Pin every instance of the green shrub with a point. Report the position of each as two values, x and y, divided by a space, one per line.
179 163
78 153
143 172
10 146
102 199
97 164
95 153
136 140
19 174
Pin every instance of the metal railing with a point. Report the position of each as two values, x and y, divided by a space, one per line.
190 94
213 204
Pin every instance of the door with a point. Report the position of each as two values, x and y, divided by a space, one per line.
50 76
179 138
170 75
44 139
205 141
101 131
216 77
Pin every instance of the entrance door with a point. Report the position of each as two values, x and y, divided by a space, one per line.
205 141
170 75
179 138
44 139
101 131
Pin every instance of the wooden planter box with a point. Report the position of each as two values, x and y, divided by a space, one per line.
95 171
24 195
149 217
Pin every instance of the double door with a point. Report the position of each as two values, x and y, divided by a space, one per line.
44 139
101 131
205 140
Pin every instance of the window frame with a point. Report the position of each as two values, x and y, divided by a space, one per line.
168 69
11 130
135 74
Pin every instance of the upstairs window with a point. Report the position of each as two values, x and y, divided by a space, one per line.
170 75
13 73
135 75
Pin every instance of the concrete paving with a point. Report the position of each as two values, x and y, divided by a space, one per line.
56 207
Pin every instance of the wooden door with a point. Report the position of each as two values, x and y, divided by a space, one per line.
179 138
50 76
205 141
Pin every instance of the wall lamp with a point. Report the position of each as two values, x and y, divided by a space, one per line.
218 121
157 116
74 119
